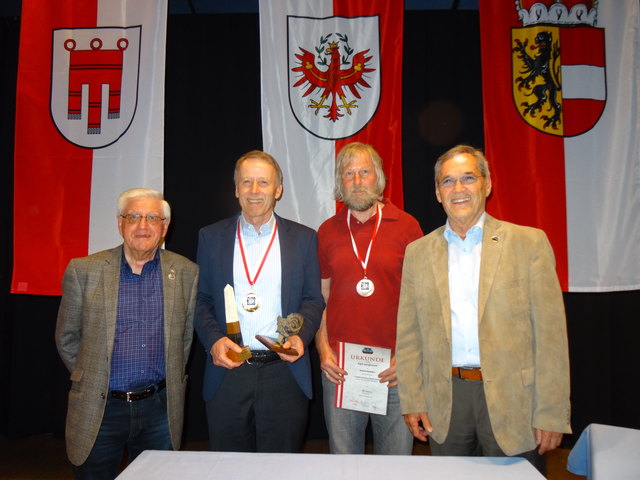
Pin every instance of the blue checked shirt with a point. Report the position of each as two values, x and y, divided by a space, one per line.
138 351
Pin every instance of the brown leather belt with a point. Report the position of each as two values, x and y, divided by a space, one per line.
467 373
140 394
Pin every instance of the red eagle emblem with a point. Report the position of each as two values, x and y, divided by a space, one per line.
333 80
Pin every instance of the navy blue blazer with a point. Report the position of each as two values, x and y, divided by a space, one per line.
300 291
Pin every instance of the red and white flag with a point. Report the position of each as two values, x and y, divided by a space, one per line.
562 131
331 75
89 124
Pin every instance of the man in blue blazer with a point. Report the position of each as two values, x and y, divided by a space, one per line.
260 404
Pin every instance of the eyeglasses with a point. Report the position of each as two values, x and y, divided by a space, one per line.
450 182
135 218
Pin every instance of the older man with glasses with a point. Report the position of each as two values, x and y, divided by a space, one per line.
124 331
482 357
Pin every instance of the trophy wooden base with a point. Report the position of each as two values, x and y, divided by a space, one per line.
239 357
271 344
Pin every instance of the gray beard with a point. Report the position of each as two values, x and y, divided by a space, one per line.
360 206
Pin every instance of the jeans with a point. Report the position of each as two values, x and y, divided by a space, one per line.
140 425
347 427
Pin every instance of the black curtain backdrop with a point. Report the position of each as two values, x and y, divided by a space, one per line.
212 117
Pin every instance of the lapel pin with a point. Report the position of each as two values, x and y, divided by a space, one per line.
494 238
172 274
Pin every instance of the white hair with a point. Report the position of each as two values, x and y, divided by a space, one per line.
132 193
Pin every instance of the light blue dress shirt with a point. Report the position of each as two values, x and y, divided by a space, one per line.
267 287
464 280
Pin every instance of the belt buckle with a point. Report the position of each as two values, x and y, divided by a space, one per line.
140 394
254 360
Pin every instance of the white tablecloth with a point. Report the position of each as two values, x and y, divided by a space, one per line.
161 465
604 452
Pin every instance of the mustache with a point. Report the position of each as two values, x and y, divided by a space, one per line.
359 190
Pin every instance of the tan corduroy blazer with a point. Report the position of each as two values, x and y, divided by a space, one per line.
521 328
85 333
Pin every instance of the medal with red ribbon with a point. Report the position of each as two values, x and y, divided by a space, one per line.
365 286
251 301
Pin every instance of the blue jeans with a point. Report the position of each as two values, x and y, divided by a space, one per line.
140 425
347 427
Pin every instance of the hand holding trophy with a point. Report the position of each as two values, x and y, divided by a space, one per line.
233 326
287 326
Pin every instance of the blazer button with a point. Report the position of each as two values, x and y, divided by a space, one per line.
102 395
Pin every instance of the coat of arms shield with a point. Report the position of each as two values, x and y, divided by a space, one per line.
559 77
94 83
334 73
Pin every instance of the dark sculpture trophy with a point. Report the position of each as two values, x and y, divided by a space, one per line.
287 327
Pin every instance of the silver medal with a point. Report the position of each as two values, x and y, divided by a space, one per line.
251 302
365 287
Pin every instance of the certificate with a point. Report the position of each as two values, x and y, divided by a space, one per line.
361 389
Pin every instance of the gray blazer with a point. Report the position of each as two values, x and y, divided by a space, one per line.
85 333
521 328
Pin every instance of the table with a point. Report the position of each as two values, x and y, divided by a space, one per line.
161 465
605 452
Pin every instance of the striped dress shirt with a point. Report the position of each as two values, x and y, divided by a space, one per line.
267 287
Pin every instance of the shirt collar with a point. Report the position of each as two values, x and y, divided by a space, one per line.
266 229
473 237
147 267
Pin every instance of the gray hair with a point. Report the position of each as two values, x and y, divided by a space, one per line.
483 165
262 156
132 193
344 159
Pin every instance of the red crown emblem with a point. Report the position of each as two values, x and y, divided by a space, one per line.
557 12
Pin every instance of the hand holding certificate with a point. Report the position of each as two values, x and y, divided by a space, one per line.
362 389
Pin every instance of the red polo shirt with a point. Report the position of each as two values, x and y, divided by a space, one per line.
351 317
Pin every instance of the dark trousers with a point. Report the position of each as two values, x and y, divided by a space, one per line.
470 432
258 408
138 426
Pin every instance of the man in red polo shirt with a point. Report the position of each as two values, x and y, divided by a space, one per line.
361 251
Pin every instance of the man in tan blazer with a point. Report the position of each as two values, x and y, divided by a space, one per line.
482 356
124 331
